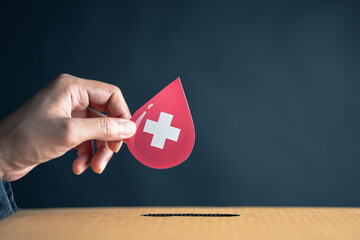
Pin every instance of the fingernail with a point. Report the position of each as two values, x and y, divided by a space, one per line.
82 170
128 128
98 171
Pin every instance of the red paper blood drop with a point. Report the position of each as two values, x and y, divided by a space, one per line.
165 132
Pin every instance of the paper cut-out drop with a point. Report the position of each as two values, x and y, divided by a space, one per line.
165 132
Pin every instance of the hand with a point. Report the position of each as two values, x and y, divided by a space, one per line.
58 119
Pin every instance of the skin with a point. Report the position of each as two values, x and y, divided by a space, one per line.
58 119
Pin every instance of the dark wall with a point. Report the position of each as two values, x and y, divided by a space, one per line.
273 87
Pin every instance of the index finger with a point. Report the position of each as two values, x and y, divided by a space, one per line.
106 97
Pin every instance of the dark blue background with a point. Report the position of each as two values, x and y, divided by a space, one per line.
273 87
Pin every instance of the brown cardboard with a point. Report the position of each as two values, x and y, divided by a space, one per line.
127 223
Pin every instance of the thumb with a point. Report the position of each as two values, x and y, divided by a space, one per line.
104 129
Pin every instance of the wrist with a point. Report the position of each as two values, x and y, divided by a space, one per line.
1 168
2 173
2 161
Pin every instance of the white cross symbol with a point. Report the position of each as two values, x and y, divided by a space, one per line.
161 130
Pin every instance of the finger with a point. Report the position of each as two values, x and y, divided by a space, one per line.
108 98
101 158
85 153
92 113
113 145
102 96
79 130
79 114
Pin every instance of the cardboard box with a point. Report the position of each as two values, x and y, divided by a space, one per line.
127 223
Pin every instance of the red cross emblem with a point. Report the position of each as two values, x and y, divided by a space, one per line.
165 133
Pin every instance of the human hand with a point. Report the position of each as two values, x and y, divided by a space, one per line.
58 119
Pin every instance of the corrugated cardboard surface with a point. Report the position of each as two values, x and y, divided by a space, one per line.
127 223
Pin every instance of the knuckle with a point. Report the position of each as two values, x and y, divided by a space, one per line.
105 125
64 76
117 92
65 80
